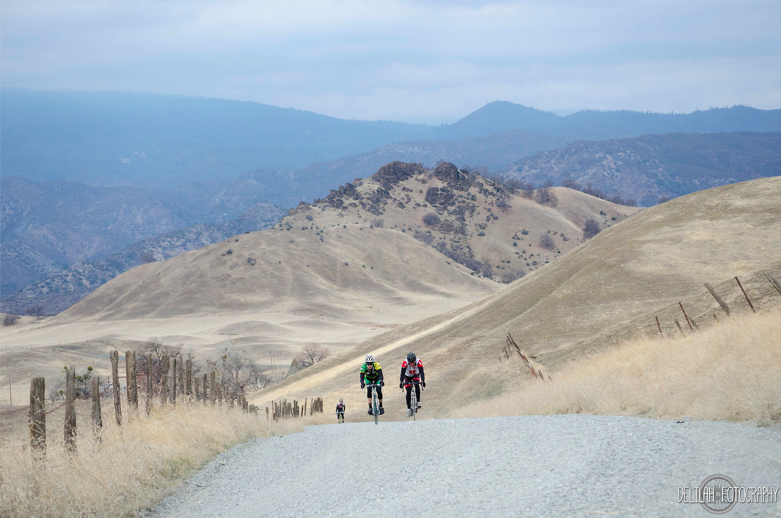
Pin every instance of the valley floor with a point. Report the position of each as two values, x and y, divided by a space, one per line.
564 465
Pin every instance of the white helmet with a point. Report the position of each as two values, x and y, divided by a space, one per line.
369 358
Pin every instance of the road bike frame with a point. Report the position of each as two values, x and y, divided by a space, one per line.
375 405
413 397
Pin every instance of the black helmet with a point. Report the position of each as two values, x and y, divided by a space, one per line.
411 357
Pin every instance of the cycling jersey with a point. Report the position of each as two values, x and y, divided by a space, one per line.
411 370
373 376
340 408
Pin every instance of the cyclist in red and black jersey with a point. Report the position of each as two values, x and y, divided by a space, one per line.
411 370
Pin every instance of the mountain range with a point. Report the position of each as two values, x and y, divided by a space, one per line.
121 138
651 167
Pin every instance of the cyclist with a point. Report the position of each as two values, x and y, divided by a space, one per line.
412 370
371 372
340 411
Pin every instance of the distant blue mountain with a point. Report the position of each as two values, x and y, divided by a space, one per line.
601 125
166 140
156 140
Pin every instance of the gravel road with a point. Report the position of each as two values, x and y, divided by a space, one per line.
566 465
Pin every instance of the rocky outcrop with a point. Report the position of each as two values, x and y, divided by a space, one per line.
455 179
395 172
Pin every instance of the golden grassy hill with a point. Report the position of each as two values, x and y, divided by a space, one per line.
584 302
478 222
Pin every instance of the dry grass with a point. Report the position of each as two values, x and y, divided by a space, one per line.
729 372
130 468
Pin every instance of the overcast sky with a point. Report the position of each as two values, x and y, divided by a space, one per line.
426 61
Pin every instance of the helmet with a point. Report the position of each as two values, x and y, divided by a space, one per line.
369 358
341 401
411 357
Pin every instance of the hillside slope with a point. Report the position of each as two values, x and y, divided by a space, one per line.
62 289
654 166
606 288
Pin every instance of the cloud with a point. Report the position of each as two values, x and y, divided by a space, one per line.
427 61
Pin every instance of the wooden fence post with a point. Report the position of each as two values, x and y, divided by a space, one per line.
773 281
197 390
180 385
164 366
131 380
70 409
244 404
659 326
97 419
213 388
149 384
745 295
117 389
715 295
173 381
205 388
37 414
267 418
188 387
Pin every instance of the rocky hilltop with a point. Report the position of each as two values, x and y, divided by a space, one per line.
498 232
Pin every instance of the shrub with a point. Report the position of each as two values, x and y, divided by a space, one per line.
481 234
447 227
424 237
378 223
431 219
309 217
512 275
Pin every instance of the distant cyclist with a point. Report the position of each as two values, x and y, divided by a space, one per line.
371 372
411 371
340 411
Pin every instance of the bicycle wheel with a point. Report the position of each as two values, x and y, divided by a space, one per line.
375 410
413 399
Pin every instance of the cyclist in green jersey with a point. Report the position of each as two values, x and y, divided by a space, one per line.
371 372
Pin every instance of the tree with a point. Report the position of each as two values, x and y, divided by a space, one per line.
156 348
591 229
546 241
527 190
148 257
35 310
240 372
10 320
431 219
313 353
378 222
512 275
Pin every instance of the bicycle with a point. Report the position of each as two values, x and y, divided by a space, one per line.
375 404
413 397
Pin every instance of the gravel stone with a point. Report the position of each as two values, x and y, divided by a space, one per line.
542 466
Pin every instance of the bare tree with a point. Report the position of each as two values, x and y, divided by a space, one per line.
314 353
156 348
591 229
378 222
240 372
527 190
36 310
148 257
